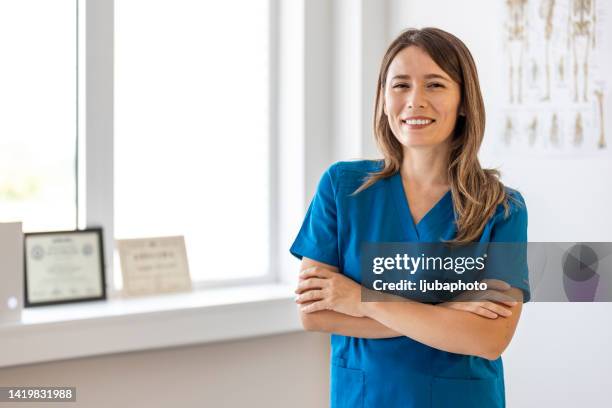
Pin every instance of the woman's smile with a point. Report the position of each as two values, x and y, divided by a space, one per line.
417 122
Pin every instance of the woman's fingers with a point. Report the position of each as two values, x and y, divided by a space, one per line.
313 307
484 312
496 284
496 308
495 292
499 297
315 272
309 284
304 271
489 310
309 296
490 295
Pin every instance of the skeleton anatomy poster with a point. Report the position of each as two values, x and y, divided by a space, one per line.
557 54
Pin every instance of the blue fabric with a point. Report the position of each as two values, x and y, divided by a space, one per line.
399 372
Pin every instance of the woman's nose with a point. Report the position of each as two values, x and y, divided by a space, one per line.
416 98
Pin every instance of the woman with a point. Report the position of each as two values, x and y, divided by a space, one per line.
429 123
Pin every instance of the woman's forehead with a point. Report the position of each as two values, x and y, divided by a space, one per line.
413 62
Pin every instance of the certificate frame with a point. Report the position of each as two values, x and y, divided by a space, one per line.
99 273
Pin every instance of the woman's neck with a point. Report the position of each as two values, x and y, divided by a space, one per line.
426 167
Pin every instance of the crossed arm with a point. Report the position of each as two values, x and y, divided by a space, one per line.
331 302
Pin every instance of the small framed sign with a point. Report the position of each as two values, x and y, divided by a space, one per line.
154 265
64 267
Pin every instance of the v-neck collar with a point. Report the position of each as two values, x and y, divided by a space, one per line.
429 220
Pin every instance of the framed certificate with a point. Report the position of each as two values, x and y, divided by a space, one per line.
64 267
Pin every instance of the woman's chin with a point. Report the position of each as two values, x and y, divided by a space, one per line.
419 143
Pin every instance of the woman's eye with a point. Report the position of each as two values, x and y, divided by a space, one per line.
436 85
400 86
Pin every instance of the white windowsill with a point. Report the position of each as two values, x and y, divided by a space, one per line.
119 325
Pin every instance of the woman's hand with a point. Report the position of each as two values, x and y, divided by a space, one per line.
321 289
490 303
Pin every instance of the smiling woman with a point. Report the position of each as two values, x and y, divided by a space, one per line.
429 187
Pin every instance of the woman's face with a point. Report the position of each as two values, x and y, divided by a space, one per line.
421 100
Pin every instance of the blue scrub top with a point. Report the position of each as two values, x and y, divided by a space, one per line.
399 372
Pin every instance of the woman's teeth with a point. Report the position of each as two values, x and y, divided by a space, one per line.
418 121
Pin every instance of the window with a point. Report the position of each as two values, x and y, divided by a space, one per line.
192 135
38 113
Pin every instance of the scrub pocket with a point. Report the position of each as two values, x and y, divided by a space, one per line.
466 393
346 385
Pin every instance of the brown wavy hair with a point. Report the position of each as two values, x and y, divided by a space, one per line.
476 191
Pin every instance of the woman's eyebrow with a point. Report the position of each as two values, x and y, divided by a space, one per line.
436 76
428 76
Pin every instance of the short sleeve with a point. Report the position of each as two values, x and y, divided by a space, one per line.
508 252
318 236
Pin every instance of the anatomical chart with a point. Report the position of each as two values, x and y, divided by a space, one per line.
557 53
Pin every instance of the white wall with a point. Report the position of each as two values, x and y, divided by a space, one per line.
560 355
291 370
